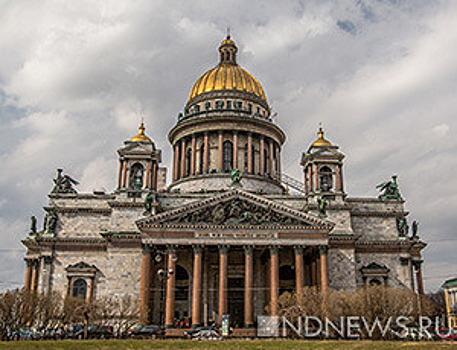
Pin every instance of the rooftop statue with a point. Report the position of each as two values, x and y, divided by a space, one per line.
63 183
33 229
150 198
389 189
236 177
415 229
322 204
402 227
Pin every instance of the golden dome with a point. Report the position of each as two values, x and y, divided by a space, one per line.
141 137
227 75
320 140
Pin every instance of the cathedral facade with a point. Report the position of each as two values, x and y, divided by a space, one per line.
231 232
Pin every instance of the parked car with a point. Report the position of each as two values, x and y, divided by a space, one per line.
94 331
192 332
147 331
203 332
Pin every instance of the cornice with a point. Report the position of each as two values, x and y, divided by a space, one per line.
79 210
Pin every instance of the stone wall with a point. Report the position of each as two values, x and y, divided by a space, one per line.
399 275
341 269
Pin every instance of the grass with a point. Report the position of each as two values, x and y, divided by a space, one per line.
227 344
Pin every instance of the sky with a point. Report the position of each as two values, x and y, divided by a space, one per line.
76 77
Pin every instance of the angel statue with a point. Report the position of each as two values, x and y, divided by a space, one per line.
322 204
415 228
63 183
33 229
150 198
236 177
389 189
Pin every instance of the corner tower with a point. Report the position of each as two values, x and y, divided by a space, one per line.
138 165
226 125
323 169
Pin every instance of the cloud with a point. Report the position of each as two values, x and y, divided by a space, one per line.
78 77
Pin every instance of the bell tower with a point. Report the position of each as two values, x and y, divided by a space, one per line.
138 165
323 169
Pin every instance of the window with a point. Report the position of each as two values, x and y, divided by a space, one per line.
182 284
229 104
79 288
197 108
250 108
207 106
227 150
266 161
219 104
238 105
136 176
325 179
246 157
188 161
202 155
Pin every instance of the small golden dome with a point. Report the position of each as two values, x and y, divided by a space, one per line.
320 142
141 137
227 75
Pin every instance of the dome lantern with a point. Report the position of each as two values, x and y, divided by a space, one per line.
228 76
228 51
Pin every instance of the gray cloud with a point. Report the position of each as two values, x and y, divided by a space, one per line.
77 77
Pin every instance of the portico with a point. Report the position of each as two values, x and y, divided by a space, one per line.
238 264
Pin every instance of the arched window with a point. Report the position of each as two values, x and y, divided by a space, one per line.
79 288
375 282
188 161
227 154
325 179
136 176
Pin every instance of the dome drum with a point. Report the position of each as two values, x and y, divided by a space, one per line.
233 101
222 182
226 125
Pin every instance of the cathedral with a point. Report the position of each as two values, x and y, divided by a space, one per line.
231 232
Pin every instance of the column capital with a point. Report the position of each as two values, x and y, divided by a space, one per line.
298 249
323 249
248 249
146 249
171 249
224 248
274 249
417 264
198 248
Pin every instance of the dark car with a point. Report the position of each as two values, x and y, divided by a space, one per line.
146 331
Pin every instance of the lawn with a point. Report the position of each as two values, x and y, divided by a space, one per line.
228 344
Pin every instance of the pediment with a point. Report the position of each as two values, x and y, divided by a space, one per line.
135 147
80 266
328 153
236 208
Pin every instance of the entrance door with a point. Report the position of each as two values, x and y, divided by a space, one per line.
236 301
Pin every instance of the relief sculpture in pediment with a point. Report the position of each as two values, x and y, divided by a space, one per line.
236 212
